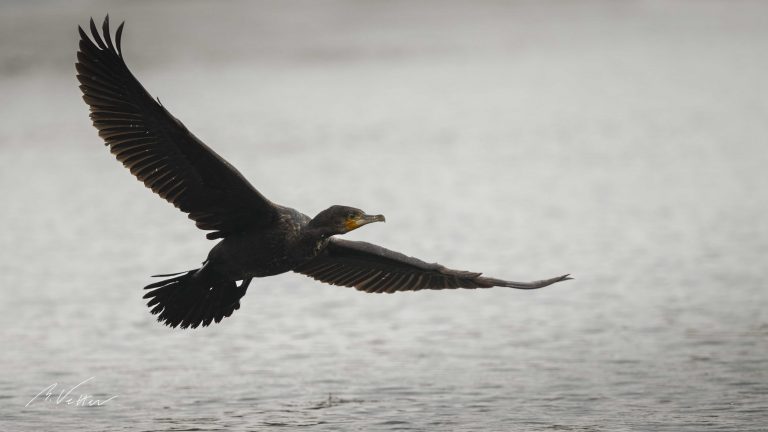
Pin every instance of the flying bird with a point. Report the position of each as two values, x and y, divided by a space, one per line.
258 237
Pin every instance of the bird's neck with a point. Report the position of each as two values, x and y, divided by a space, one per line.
313 240
318 230
316 233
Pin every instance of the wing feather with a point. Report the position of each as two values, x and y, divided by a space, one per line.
157 148
374 269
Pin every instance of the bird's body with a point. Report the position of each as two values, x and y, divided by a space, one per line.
258 237
275 249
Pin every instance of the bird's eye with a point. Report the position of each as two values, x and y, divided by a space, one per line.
351 216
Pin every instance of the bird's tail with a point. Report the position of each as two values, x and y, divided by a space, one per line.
193 298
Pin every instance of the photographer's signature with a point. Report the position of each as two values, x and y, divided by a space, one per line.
82 399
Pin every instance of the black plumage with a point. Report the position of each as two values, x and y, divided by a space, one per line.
259 238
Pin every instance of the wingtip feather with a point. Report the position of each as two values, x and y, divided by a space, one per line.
107 34
95 35
118 38
83 34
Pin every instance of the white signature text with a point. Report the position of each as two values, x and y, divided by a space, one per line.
68 398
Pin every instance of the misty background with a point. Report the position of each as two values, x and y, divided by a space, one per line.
621 142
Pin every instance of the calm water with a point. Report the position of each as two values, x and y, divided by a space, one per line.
623 143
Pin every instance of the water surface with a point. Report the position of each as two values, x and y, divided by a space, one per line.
623 143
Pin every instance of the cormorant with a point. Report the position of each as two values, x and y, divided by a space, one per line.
259 237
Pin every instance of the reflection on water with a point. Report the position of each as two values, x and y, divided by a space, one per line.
621 143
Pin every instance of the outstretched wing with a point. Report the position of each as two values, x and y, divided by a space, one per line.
374 269
157 148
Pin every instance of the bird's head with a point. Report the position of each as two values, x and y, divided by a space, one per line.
341 219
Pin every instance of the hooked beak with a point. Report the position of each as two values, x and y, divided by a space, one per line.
364 220
373 218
